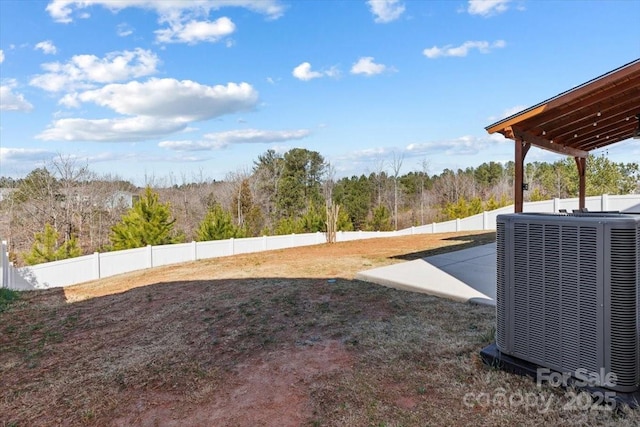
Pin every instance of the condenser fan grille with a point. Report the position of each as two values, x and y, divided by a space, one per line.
567 292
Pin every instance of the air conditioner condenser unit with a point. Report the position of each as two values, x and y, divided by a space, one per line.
568 293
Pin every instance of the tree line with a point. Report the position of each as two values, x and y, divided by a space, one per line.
64 209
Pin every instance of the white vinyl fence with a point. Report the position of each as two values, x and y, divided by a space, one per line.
99 265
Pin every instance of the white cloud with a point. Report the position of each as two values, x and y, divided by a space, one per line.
498 137
386 10
47 47
304 72
181 16
487 7
8 154
244 136
371 153
110 130
124 30
62 10
1 56
464 145
158 107
365 65
185 100
10 100
196 31
463 49
82 71
333 72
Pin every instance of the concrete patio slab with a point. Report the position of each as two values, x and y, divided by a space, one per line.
468 275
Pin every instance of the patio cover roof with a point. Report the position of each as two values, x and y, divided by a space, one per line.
593 115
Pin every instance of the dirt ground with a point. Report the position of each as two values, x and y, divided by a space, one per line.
279 338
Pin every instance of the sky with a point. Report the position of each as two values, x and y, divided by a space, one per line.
185 90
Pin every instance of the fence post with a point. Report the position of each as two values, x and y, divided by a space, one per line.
12 275
457 224
264 242
149 256
232 247
4 262
604 202
96 265
194 250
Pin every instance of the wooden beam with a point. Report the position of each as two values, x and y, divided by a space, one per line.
581 164
548 145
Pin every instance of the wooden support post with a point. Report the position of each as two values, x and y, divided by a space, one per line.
518 191
581 164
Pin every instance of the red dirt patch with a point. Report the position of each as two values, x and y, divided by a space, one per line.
273 390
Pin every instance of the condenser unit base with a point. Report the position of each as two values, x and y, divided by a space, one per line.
494 358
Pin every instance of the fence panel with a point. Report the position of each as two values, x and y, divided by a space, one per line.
447 226
346 236
59 273
118 262
4 265
213 249
278 242
541 206
248 245
172 254
475 222
627 203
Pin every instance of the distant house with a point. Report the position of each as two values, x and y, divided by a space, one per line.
116 200
121 199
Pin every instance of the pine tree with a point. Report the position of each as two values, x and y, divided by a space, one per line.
218 225
289 225
313 219
45 248
146 223
381 220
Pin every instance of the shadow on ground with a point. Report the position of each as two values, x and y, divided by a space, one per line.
470 240
232 352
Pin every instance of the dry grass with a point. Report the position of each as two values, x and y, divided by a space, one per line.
277 338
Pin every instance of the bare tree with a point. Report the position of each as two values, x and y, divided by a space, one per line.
240 197
189 198
425 173
380 178
75 197
396 165
329 183
109 198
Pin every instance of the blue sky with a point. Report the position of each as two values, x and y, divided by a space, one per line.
141 88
